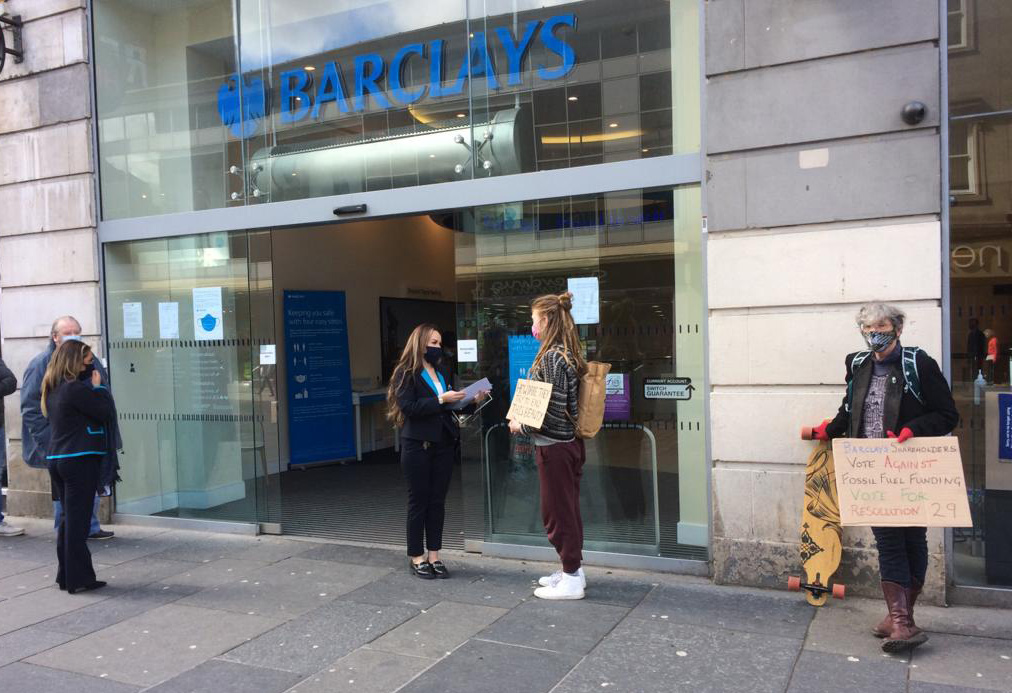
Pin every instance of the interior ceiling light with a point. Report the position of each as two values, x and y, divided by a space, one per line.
309 68
602 137
461 115
574 98
613 125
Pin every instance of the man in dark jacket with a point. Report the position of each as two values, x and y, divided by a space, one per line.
35 427
8 384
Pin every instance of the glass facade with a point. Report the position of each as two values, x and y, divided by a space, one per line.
345 97
206 104
980 279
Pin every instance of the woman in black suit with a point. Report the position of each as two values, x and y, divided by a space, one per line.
417 402
80 410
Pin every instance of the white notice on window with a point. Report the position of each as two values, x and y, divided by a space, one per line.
168 320
133 321
268 354
208 322
586 297
614 384
467 350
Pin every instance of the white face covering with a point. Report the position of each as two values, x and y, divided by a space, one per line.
70 338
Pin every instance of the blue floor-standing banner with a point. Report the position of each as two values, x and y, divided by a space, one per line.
522 351
321 420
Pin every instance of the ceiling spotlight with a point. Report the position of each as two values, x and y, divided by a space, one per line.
432 156
574 98
461 115
613 125
309 68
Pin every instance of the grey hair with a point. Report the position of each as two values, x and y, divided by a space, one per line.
56 324
871 313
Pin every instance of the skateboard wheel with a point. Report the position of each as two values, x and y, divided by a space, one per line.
806 433
839 591
793 583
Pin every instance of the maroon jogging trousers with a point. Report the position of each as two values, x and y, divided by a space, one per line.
560 467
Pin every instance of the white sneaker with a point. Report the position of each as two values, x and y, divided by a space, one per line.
568 587
7 530
553 579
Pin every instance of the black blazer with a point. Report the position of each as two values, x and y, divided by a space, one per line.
937 416
79 417
424 417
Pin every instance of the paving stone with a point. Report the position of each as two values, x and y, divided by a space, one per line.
491 667
28 641
204 548
922 687
270 549
13 566
214 573
834 673
16 552
286 589
228 677
845 628
356 555
436 631
155 646
119 607
617 591
959 660
41 605
28 581
750 610
139 572
27 678
465 586
964 620
306 644
365 671
642 656
122 549
575 627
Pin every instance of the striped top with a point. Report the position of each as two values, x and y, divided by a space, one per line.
557 426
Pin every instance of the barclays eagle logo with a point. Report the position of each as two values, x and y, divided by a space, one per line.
242 122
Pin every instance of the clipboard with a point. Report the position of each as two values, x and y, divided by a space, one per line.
464 419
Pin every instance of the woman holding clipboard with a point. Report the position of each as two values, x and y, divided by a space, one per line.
419 403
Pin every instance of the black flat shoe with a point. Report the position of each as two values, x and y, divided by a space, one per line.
98 584
440 570
422 570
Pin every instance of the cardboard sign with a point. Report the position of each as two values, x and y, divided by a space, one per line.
918 483
530 403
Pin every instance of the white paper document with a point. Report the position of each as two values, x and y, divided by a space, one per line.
471 391
168 320
467 350
586 300
133 321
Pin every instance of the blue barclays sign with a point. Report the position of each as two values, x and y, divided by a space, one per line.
301 96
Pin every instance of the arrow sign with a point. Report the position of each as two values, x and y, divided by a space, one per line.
668 388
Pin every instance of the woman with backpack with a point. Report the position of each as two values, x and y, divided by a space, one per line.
896 392
559 452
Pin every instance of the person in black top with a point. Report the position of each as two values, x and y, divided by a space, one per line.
79 409
417 400
8 385
881 403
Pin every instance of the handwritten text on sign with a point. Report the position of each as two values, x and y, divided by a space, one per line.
917 483
530 403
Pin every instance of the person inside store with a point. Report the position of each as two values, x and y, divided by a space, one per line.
80 412
559 453
883 402
418 402
992 354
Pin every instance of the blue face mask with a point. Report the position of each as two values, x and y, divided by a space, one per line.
879 341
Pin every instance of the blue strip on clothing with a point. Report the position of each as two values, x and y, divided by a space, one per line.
99 387
99 432
75 454
428 381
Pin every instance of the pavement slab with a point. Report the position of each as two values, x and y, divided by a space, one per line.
923 687
25 553
218 572
156 645
466 585
642 656
27 581
308 643
40 605
960 660
751 610
27 642
201 547
228 677
356 555
835 673
573 627
845 628
132 574
286 589
119 607
437 631
27 678
491 667
365 671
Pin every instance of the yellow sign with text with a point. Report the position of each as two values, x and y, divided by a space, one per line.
530 403
917 483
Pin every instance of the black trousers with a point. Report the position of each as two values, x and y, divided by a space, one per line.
428 468
902 554
74 482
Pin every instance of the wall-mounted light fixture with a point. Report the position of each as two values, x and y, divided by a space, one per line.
12 23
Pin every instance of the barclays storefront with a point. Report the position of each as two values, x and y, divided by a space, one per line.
288 187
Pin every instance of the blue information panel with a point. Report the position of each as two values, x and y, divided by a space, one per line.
321 420
522 350
1005 427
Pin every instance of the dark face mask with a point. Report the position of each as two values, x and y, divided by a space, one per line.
434 355
86 373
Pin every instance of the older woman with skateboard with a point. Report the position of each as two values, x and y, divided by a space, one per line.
896 392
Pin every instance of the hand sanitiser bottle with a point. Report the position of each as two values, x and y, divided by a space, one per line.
978 387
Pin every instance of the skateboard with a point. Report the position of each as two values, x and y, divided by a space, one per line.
821 533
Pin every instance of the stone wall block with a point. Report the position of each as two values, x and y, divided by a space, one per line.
732 503
31 10
30 311
19 104
50 205
832 265
725 36
65 95
50 43
19 352
59 150
777 499
58 257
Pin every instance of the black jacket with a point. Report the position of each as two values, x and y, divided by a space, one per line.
937 416
79 418
424 417
8 383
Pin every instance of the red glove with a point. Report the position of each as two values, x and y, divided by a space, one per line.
819 432
905 433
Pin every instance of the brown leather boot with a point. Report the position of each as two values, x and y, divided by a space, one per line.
905 635
885 626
